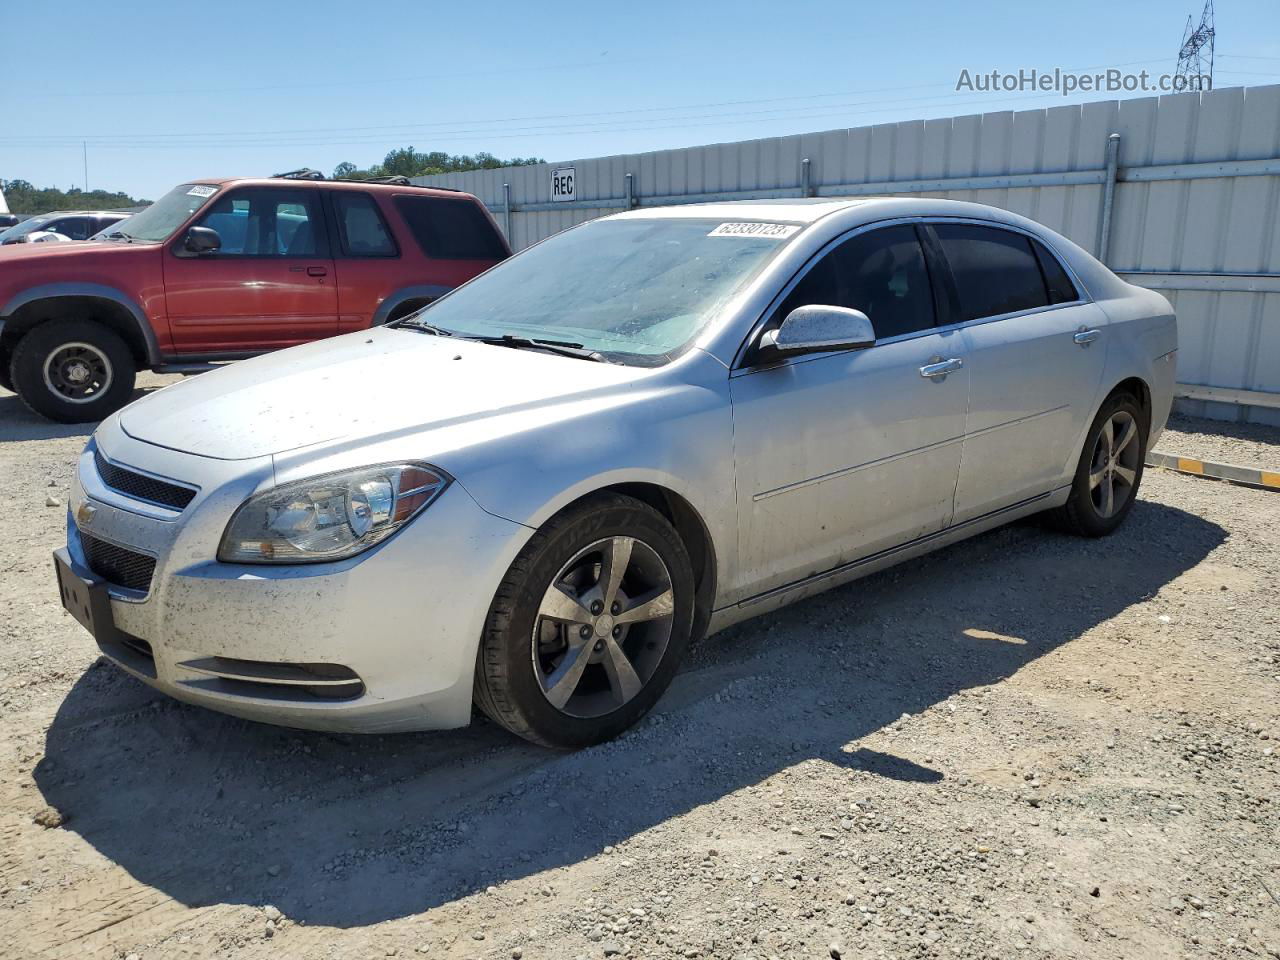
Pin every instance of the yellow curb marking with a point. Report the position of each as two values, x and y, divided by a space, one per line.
1190 466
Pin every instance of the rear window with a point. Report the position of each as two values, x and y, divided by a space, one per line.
449 229
995 270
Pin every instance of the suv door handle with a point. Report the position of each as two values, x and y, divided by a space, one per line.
1086 336
941 368
317 272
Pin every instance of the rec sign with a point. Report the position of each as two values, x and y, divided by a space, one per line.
562 184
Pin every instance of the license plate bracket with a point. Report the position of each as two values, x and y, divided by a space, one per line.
85 598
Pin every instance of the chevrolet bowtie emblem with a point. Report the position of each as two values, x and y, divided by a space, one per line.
85 515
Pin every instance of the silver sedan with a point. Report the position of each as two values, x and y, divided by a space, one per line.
532 495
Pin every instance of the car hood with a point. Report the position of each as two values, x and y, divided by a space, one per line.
366 384
15 252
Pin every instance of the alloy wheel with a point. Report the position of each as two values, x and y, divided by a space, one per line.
603 626
1113 468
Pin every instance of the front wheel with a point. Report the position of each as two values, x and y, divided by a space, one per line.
588 626
73 371
6 361
1109 472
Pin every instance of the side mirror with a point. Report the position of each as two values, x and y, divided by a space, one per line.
201 240
817 329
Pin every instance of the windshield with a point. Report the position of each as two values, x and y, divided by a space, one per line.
158 221
30 225
637 291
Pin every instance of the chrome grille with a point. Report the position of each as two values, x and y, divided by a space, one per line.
124 568
140 486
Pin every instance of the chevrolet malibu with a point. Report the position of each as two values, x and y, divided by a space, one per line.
533 494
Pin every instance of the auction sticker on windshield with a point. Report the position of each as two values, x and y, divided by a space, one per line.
202 190
773 230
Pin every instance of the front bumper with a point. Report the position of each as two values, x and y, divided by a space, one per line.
404 618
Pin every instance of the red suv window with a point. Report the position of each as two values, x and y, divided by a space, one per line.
449 229
267 222
361 229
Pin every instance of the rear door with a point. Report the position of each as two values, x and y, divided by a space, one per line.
270 284
369 263
841 455
1036 349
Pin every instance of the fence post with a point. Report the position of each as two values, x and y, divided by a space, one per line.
1108 196
806 178
506 210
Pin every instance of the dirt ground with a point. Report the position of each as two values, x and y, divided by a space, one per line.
1024 745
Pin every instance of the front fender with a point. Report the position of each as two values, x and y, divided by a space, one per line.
678 437
96 291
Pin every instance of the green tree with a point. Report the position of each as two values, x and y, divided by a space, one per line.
410 162
23 197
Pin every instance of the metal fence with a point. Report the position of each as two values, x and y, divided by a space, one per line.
1178 193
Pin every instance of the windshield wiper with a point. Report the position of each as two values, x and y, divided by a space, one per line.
414 323
565 348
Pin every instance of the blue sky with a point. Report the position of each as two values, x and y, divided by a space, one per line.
166 91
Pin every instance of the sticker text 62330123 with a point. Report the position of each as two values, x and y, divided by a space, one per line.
771 230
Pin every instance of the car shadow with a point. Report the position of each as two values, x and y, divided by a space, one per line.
19 423
348 831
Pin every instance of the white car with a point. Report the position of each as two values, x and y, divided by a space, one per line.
47 236
534 493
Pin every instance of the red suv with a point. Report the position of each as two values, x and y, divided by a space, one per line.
224 269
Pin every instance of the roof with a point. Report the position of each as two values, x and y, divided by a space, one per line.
793 210
308 184
810 210
79 213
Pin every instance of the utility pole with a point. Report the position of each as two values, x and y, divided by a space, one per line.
1195 56
85 144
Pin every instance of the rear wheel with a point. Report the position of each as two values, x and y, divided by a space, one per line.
1109 472
73 371
589 625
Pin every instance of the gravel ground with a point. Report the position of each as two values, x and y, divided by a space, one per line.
1239 444
1024 745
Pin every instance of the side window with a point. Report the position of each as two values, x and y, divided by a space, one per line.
77 228
230 218
995 270
882 273
1061 289
451 229
266 223
361 227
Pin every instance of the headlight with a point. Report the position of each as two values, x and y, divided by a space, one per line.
331 517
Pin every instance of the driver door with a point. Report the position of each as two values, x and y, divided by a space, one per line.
270 284
841 455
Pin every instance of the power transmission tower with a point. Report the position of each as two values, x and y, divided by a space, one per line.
1195 57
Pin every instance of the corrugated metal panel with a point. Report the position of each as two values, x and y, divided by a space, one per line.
1172 224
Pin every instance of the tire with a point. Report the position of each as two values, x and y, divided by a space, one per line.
73 371
538 674
1116 463
6 362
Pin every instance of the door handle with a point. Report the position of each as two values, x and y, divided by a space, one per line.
941 368
317 272
1086 336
